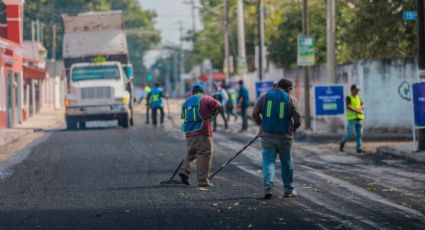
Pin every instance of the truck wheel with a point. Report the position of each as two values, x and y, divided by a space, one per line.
82 124
124 122
132 118
71 124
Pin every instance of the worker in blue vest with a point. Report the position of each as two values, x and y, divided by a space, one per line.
197 112
155 103
277 113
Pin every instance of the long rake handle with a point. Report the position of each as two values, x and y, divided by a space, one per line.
177 170
234 157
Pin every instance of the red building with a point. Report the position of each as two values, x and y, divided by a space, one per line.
11 65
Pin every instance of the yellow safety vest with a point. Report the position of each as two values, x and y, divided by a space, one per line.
147 89
356 103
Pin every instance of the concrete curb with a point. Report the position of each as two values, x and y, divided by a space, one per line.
415 156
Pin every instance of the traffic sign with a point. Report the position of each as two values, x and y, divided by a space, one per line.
242 67
410 15
329 100
262 87
306 53
419 103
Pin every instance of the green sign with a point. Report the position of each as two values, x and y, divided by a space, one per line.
242 67
305 55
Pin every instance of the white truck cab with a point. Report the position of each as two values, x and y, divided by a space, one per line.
98 91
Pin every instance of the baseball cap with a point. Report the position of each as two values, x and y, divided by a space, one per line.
354 87
197 87
284 83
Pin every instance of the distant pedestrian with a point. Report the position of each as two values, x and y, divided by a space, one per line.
243 104
197 111
355 116
220 95
147 90
278 115
155 103
231 103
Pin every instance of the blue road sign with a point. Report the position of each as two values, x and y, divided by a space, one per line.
329 100
262 87
410 15
419 103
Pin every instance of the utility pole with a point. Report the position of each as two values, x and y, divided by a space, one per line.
331 51
54 41
241 31
306 31
226 39
260 9
181 83
421 58
33 31
193 16
331 40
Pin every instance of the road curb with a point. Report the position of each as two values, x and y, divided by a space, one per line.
415 156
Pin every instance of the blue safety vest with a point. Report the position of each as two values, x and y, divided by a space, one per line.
191 114
275 115
156 100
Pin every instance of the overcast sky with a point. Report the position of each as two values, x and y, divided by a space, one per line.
169 13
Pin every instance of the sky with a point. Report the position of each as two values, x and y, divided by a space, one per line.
169 13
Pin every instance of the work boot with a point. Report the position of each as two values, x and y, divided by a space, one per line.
268 193
184 179
204 187
292 193
360 151
341 147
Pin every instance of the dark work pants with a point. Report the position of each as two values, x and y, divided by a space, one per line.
224 119
244 118
147 114
155 114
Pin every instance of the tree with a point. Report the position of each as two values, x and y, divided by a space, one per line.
49 13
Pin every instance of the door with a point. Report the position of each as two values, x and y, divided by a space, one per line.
9 100
18 95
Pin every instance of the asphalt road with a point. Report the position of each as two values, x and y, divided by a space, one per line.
108 178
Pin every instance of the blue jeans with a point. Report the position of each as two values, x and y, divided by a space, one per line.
354 125
271 148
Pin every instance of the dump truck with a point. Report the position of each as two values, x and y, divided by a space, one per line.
98 69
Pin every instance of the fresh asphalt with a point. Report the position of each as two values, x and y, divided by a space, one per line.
108 178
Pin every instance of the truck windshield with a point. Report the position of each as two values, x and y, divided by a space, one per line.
95 73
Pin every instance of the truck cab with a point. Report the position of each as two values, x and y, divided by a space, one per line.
98 92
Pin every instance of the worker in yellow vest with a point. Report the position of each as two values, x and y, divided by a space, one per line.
147 92
355 116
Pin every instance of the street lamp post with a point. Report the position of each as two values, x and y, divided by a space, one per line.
260 9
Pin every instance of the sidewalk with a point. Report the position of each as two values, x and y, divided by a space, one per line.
403 150
41 121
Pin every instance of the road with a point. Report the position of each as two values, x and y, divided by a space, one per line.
108 178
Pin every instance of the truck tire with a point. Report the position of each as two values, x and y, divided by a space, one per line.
132 118
82 124
71 124
124 122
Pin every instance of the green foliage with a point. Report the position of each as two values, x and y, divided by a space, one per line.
364 29
135 19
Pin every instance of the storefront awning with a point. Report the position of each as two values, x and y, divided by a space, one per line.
217 76
31 72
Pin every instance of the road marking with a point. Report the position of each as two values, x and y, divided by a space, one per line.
364 193
316 201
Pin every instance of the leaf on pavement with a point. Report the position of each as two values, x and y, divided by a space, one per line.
370 189
230 207
215 204
263 202
316 190
388 190
236 204
280 221
249 225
